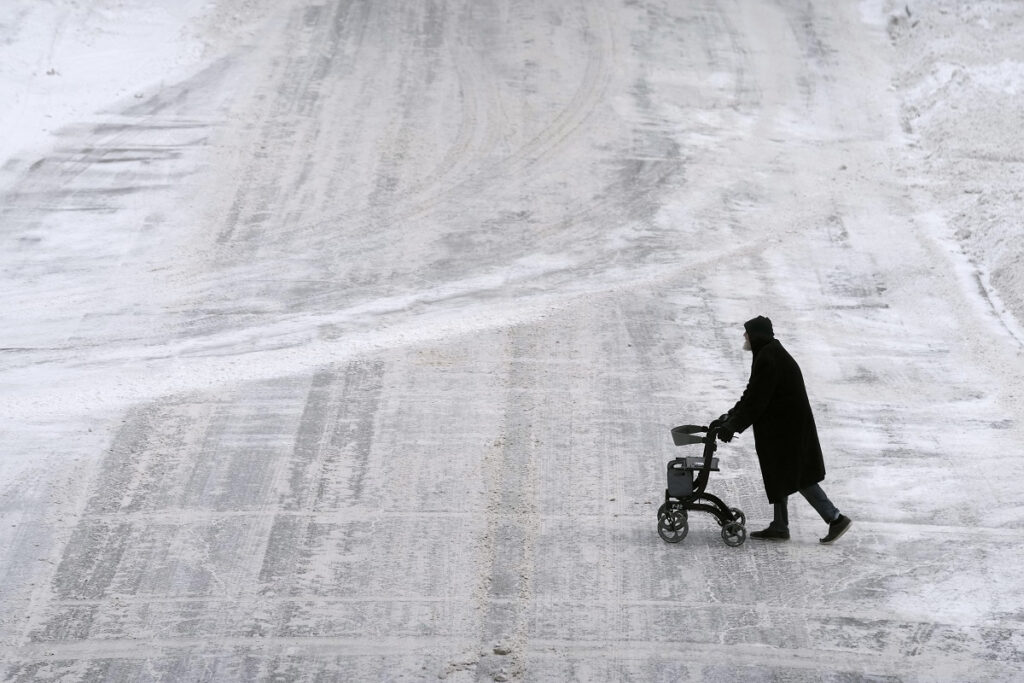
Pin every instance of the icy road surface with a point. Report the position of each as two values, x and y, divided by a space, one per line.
342 340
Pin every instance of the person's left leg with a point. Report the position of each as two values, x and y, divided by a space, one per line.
820 502
837 523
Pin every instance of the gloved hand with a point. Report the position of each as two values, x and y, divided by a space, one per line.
719 420
726 431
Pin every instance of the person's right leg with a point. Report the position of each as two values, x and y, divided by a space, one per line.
778 530
781 520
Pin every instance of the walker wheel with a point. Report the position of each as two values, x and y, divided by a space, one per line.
734 534
667 509
673 527
738 516
663 511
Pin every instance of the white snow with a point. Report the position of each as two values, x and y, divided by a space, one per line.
62 62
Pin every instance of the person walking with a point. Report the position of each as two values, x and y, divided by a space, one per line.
775 403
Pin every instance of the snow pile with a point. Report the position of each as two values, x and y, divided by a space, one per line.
962 78
63 61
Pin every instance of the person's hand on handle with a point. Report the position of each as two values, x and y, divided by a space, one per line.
726 431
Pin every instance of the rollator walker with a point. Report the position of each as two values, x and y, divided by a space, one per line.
687 481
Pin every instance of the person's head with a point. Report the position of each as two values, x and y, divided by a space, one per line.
757 332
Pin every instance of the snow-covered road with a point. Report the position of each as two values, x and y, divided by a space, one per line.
342 340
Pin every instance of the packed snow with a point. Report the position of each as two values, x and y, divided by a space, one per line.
342 341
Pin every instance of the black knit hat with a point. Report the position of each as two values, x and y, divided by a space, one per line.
759 328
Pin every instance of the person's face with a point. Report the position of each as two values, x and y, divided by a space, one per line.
746 341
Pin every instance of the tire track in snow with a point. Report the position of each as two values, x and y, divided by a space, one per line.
505 594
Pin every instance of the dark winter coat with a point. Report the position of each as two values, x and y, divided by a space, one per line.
775 403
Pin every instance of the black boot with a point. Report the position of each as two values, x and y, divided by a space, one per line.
771 534
836 529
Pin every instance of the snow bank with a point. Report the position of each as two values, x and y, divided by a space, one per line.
62 61
962 75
